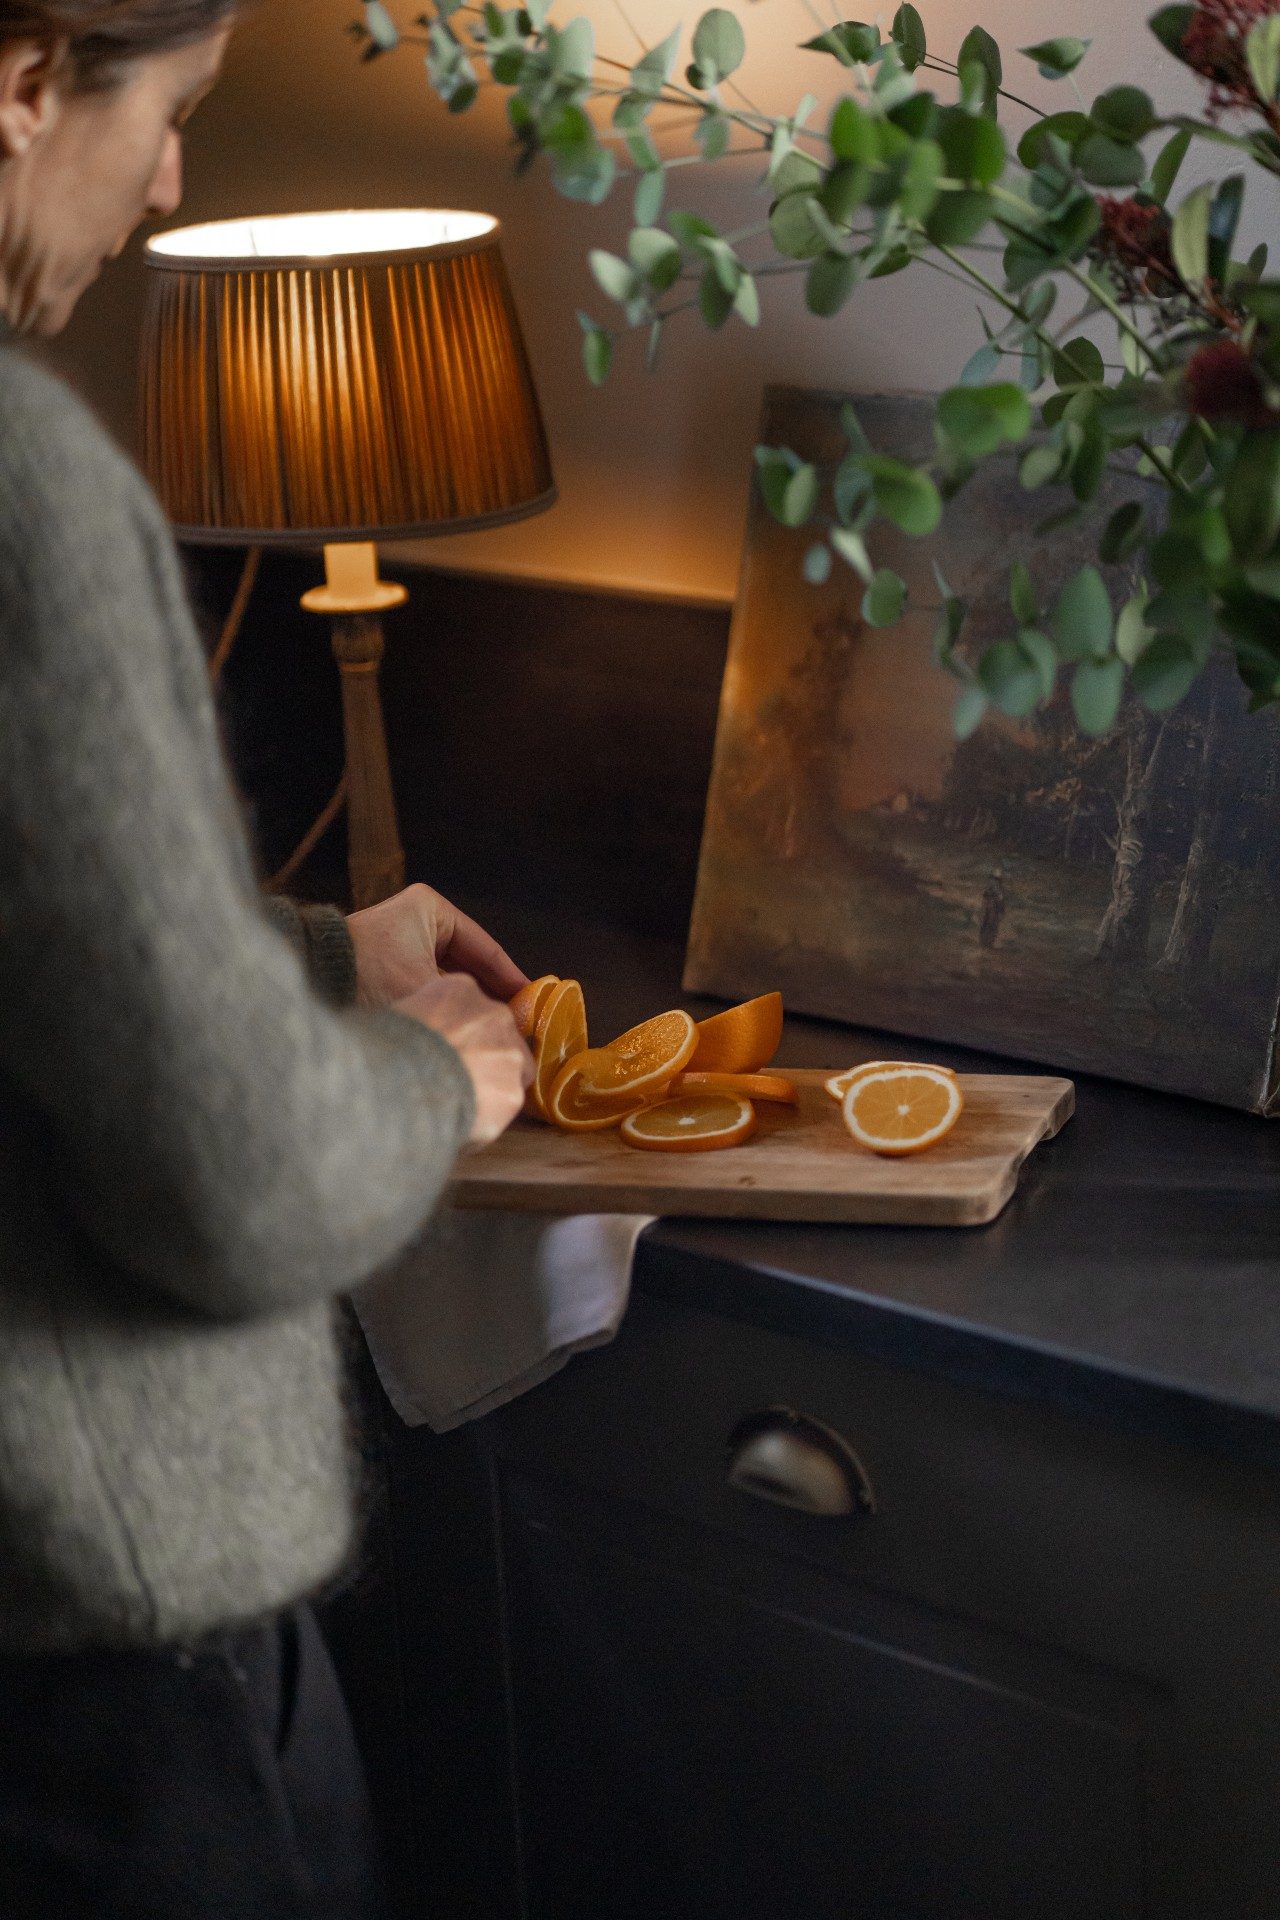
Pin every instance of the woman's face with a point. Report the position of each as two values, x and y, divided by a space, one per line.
95 165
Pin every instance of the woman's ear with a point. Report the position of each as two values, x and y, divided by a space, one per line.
29 99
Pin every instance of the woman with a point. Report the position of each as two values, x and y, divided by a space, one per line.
201 1145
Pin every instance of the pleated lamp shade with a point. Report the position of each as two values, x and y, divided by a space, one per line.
338 376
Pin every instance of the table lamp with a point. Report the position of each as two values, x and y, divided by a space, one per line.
336 379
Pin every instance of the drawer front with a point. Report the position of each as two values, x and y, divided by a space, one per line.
1148 1557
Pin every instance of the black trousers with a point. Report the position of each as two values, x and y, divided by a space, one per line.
218 1783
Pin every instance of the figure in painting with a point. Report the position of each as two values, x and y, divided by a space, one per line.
993 905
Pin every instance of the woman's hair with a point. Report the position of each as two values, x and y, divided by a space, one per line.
99 38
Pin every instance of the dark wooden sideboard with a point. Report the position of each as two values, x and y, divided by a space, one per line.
1032 1673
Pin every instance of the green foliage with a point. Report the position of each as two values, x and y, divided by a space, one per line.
1169 367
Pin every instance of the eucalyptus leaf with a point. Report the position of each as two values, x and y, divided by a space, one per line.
613 276
655 255
1125 113
650 189
597 355
958 216
1079 363
830 281
714 303
712 135
1096 690
885 600
1251 498
1105 162
1133 635
908 32
969 713
1122 535
1010 678
817 564
980 49
1164 673
980 419
1042 654
906 495
1082 618
851 42
852 548
719 45
382 29
650 74
1057 58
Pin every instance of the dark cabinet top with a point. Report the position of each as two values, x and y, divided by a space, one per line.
1136 1273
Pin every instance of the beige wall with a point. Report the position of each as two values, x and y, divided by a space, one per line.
654 470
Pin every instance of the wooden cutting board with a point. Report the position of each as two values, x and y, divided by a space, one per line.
800 1165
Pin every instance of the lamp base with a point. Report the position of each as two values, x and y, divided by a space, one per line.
354 597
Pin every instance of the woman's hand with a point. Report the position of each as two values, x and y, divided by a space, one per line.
484 1033
416 936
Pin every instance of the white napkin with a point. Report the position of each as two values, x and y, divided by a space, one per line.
486 1304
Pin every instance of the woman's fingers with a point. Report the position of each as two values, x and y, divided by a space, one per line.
467 948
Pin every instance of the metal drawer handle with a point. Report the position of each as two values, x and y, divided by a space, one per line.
786 1457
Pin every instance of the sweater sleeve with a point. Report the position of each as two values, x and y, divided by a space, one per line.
218 1129
320 936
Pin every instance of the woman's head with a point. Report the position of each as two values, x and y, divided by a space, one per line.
93 97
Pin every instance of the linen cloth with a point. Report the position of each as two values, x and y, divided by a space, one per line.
485 1305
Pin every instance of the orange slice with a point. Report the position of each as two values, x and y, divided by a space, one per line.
527 1004
697 1123
752 1086
902 1109
741 1039
642 1061
579 1109
839 1083
561 1031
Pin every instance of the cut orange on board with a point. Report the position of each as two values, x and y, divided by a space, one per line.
752 1086
527 1004
902 1109
561 1032
578 1109
839 1083
696 1123
642 1061
741 1039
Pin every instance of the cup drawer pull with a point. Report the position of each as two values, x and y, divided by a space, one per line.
788 1458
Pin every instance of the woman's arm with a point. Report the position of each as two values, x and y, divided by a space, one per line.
221 1131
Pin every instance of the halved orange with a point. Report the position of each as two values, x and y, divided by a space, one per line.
527 1004
839 1083
642 1061
696 1123
902 1109
561 1031
742 1039
752 1086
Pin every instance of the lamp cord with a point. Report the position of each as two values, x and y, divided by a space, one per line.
217 662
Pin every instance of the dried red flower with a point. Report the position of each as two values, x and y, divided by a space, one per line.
1214 45
1222 383
1133 238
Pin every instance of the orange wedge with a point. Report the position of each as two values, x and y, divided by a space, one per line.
527 1004
697 1123
752 1086
561 1031
839 1083
901 1110
641 1062
741 1039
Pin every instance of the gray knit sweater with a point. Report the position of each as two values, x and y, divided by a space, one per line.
198 1149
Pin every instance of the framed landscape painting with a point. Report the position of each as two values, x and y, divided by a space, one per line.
1106 906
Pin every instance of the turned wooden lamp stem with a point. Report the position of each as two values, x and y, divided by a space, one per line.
355 599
